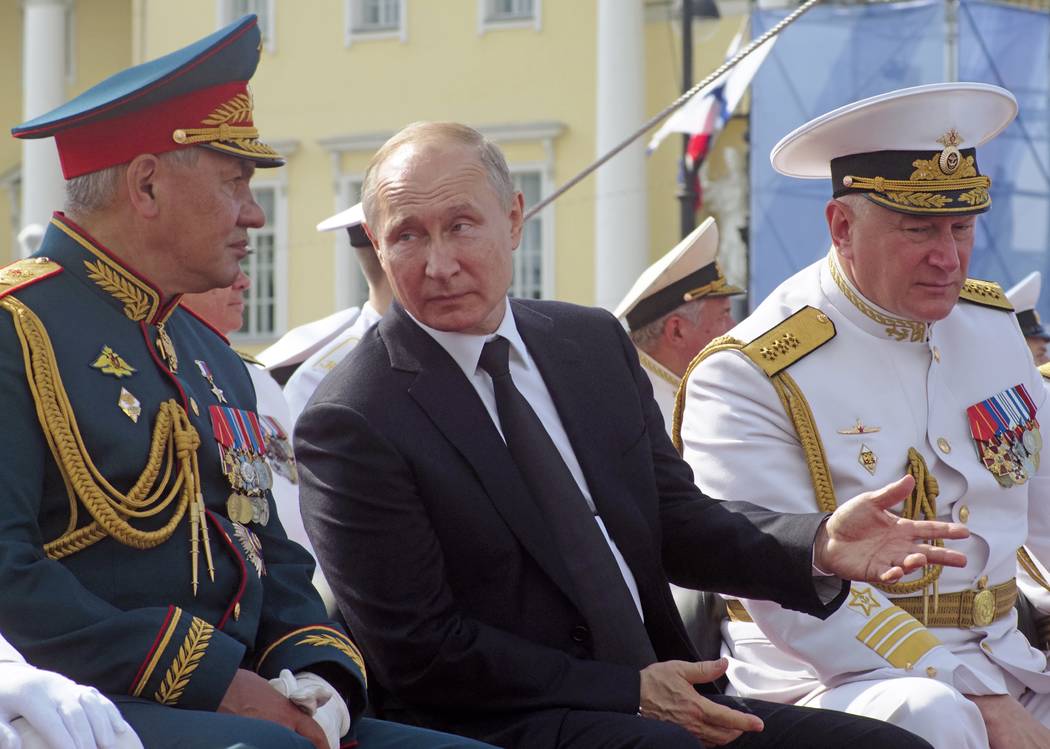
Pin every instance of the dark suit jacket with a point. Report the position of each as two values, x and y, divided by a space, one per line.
442 562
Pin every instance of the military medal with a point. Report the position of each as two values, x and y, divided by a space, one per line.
1006 434
252 547
111 363
243 453
166 349
130 405
278 449
206 374
867 459
859 428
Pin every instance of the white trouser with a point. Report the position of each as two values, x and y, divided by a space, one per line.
930 709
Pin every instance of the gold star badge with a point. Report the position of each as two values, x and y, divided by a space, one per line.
112 363
862 598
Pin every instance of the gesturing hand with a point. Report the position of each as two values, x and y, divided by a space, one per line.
863 541
61 711
251 696
668 694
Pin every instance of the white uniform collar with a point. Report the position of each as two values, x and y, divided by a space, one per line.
862 312
659 369
465 348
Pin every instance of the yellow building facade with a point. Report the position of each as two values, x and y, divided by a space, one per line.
337 77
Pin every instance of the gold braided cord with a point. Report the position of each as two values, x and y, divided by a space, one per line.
722 343
881 184
795 406
922 502
801 415
190 135
1028 565
174 439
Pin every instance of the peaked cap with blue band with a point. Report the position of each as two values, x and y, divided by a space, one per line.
197 95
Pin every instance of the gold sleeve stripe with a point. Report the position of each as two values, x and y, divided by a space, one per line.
898 637
884 631
877 621
887 645
913 649
185 663
161 647
313 628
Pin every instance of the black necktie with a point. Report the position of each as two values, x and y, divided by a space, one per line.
601 591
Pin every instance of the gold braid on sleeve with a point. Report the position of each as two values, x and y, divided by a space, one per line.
172 457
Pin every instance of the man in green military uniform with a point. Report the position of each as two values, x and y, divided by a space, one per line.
139 549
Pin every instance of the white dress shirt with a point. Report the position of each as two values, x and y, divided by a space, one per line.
465 350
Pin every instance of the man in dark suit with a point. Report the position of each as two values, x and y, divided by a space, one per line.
491 493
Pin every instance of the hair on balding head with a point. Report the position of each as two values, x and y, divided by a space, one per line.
488 153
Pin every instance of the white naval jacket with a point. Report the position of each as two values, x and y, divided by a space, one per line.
304 381
742 445
665 385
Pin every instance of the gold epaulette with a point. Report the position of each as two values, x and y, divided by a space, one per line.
985 293
787 342
1044 370
248 358
23 272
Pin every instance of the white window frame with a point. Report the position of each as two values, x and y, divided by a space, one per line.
543 133
486 24
279 225
70 63
351 288
267 21
544 169
351 9
11 183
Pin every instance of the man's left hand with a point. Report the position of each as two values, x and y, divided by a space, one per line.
864 541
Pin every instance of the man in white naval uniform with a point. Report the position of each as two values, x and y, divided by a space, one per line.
1024 296
880 359
308 375
675 308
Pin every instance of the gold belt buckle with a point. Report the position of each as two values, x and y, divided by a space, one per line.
983 605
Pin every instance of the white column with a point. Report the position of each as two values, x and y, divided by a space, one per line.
621 236
43 89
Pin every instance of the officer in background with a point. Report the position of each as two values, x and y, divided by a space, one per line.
287 354
675 308
139 552
877 359
307 377
1025 297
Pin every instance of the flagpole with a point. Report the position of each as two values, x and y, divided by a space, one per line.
675 105
686 193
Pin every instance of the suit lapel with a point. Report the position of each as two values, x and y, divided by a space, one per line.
590 420
453 406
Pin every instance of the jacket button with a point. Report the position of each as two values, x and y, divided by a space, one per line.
580 633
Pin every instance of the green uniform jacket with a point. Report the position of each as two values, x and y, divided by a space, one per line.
87 590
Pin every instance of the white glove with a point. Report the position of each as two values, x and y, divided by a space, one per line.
318 699
64 713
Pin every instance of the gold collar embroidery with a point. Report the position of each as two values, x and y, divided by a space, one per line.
659 369
897 328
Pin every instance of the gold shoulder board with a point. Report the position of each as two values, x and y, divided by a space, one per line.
24 272
985 293
248 358
1044 370
783 345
